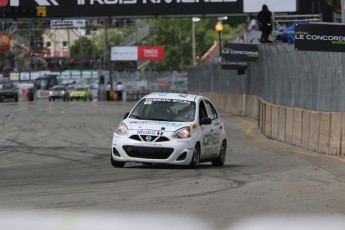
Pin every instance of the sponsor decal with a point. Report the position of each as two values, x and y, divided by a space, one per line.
164 123
211 150
147 132
150 100
320 37
211 139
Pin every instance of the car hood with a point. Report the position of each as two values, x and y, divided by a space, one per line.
133 124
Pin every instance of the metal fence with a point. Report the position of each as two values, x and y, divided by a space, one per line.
283 76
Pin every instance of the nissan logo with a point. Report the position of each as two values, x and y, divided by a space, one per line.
148 138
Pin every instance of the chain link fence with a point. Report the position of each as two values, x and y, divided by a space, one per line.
282 76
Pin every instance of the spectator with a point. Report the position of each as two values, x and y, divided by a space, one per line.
119 91
265 23
108 89
253 23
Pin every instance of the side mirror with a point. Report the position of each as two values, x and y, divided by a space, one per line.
126 115
206 121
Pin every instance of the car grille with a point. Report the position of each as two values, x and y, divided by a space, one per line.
148 152
146 139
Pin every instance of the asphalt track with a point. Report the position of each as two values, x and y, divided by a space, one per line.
55 156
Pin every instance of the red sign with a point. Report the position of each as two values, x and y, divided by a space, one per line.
150 53
3 3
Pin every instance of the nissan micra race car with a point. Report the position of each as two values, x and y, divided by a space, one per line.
170 128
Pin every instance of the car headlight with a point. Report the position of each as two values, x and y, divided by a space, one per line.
182 133
62 92
122 129
50 92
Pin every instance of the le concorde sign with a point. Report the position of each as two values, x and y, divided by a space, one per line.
132 8
320 37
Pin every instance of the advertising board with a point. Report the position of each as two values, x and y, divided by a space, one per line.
320 37
240 52
121 8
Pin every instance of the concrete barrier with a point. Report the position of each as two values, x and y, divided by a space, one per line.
322 132
289 125
282 124
314 133
305 129
335 134
325 128
268 121
297 127
275 123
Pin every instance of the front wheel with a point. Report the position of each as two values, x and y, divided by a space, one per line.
117 164
220 160
195 158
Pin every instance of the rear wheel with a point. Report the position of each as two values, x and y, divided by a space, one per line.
220 160
49 99
195 158
117 164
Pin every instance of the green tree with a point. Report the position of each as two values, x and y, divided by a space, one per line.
176 35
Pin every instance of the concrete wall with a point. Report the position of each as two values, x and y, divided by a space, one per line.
316 131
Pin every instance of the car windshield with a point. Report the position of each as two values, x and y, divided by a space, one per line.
58 88
164 110
8 86
80 89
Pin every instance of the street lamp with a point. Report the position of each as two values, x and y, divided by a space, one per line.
219 28
194 20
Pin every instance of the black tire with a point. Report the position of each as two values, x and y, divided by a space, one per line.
221 157
71 99
49 99
117 164
195 158
53 99
16 99
85 99
64 99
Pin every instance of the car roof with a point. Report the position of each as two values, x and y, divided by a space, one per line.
177 96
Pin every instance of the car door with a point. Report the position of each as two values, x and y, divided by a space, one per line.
215 129
205 152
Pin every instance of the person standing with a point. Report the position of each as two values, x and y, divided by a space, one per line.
119 91
265 23
108 89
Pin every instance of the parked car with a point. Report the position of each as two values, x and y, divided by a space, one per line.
80 92
170 128
8 91
58 92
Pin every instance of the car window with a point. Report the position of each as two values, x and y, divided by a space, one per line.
211 111
164 110
202 111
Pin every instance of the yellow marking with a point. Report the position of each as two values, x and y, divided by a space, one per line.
41 11
194 126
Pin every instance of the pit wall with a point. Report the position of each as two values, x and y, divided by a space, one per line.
311 130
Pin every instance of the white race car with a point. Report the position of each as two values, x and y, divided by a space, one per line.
170 128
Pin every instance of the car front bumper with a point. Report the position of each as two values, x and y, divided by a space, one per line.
173 151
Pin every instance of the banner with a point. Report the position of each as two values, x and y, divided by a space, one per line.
150 53
320 37
124 53
240 52
135 53
234 65
59 24
126 8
